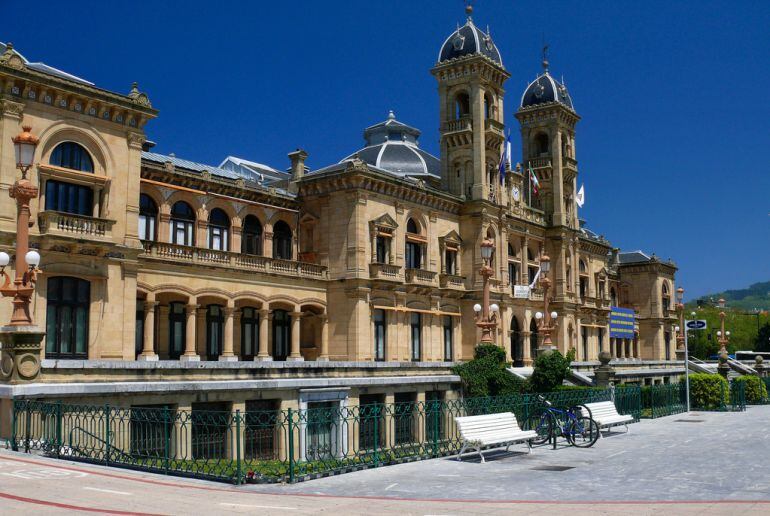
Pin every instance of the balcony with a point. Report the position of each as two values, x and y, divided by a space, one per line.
494 127
462 124
197 256
77 226
419 277
385 271
569 163
451 281
541 162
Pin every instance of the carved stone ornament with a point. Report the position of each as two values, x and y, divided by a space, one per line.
12 108
138 97
11 58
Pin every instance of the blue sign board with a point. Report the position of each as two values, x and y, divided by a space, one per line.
621 322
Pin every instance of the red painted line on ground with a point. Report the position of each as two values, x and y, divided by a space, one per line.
387 498
71 507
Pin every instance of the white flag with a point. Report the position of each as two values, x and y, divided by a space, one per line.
534 280
580 198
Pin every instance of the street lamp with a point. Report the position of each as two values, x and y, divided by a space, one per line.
546 319
723 335
680 329
485 320
26 261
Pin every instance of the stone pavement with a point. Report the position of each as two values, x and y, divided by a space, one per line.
696 464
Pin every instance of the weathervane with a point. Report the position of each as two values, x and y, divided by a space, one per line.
545 55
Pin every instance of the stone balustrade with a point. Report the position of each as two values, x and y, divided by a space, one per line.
385 271
419 276
542 162
68 224
461 124
200 256
451 281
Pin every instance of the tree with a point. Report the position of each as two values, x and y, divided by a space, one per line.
763 338
550 370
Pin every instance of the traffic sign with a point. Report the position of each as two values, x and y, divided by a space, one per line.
699 324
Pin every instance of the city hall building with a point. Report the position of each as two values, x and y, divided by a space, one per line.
166 281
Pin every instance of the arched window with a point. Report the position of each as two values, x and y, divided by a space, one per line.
281 335
413 251
533 338
517 343
68 303
182 224
219 230
68 198
71 155
251 239
583 270
665 299
215 322
249 332
462 105
541 144
148 216
282 241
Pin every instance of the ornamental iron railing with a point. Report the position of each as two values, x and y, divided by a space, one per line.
264 444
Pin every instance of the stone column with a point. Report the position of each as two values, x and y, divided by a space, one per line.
324 356
759 366
622 348
227 346
295 355
263 355
148 351
526 335
190 353
604 374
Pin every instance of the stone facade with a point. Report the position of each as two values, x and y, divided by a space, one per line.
165 260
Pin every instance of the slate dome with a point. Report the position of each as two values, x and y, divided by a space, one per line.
469 40
546 89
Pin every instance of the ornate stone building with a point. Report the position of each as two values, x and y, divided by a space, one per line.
170 281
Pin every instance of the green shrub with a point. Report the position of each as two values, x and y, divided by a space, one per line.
709 391
485 375
550 371
756 391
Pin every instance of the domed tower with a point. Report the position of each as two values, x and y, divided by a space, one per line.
548 119
470 77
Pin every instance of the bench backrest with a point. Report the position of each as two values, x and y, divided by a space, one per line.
489 424
601 409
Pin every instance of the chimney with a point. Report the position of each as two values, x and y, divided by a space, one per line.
297 158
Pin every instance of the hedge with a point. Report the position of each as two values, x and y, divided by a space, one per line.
756 391
709 391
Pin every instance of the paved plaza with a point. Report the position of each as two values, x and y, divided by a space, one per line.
697 463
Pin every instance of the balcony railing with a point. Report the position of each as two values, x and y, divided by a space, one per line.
494 126
461 124
384 271
451 281
543 162
200 256
420 276
54 222
569 163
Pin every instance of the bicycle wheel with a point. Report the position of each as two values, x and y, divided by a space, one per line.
542 423
582 432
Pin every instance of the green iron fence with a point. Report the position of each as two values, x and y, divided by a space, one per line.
270 445
667 399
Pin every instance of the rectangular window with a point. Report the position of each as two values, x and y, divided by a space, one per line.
379 335
416 327
667 343
382 249
182 232
214 331
404 417
151 427
512 274
146 227
583 287
68 304
601 339
531 272
450 261
448 338
371 428
320 429
249 332
434 416
68 198
210 432
177 329
139 335
261 432
413 255
584 341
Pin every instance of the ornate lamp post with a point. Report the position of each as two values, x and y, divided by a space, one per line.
680 329
546 320
724 337
486 316
21 340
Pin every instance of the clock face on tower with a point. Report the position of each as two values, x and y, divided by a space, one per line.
515 192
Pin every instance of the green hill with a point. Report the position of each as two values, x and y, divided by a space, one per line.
756 297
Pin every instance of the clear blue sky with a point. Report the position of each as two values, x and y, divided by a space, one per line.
672 148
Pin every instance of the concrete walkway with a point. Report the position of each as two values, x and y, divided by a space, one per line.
701 463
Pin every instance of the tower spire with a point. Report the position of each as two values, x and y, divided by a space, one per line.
545 56
468 8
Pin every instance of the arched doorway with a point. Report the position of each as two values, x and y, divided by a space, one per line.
533 339
517 343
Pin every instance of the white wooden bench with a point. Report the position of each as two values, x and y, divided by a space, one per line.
500 429
606 415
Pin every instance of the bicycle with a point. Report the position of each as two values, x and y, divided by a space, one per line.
579 430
